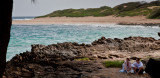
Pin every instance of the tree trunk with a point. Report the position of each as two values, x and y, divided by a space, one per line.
5 26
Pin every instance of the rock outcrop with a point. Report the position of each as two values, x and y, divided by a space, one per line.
153 67
44 65
131 44
142 24
159 34
102 48
57 60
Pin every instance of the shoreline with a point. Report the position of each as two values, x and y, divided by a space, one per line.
136 20
71 59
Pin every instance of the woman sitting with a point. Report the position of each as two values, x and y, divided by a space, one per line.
126 66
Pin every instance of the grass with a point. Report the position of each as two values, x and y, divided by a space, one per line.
113 64
135 5
102 11
155 14
82 59
135 12
127 6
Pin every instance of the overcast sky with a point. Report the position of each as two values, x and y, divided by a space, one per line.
42 7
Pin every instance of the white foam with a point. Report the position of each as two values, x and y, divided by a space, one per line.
23 19
92 25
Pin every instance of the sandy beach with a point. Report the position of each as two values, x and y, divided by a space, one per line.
137 20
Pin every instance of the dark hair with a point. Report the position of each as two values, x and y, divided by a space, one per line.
138 59
128 59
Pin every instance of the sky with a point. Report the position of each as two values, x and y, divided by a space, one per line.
42 7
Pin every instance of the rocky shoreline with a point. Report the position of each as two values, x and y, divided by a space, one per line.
142 24
58 60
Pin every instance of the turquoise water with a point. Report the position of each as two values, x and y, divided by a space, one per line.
23 18
22 36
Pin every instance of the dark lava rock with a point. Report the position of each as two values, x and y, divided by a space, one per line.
44 65
141 39
102 40
133 58
143 24
57 60
159 34
131 44
153 68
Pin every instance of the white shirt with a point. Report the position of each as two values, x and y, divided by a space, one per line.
125 65
135 64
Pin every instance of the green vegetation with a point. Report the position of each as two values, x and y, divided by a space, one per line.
126 9
82 59
102 11
127 6
155 14
136 12
136 5
117 64
136 8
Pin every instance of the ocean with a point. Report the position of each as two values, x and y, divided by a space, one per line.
23 18
23 36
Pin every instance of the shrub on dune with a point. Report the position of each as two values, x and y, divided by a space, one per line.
155 14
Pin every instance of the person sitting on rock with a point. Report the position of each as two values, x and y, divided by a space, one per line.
138 66
126 66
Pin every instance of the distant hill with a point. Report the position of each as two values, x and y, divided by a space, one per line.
150 10
102 11
139 9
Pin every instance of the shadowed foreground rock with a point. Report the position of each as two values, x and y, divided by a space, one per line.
57 60
159 34
42 65
153 68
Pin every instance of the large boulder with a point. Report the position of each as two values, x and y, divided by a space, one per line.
153 68
159 34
